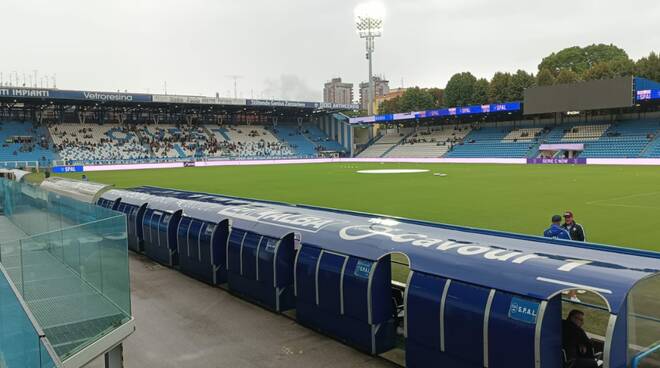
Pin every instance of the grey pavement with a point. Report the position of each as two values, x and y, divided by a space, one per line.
182 322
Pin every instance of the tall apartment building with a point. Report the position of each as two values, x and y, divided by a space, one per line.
381 87
338 92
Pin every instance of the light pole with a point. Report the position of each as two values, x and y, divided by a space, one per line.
369 19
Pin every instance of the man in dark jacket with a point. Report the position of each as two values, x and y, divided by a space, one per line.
576 343
555 230
575 230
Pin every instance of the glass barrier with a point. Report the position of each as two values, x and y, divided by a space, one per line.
76 281
644 324
69 263
21 346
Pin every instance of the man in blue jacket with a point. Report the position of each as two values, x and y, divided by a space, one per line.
555 230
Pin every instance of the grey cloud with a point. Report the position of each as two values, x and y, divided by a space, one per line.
289 48
290 87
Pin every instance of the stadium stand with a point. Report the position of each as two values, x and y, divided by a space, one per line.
582 133
76 142
523 135
653 148
23 141
297 141
389 139
254 141
90 142
322 141
619 140
434 142
492 142
82 143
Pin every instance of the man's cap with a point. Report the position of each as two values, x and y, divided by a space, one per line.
556 218
568 214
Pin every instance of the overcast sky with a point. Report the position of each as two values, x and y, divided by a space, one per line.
289 48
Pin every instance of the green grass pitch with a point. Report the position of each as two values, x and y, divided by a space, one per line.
617 205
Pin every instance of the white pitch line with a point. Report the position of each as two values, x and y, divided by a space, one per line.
624 197
626 206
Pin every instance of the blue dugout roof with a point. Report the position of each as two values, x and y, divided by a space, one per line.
137 199
525 265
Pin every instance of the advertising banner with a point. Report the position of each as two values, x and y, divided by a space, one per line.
648 94
67 169
16 92
558 161
452 111
199 100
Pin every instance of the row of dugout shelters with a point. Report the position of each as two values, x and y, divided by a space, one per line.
193 236
473 298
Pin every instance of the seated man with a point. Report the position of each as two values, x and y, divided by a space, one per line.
576 343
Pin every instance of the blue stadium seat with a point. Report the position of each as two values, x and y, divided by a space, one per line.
489 142
24 152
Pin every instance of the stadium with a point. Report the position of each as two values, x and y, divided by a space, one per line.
181 230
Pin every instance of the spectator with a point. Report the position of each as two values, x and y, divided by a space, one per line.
555 230
575 230
575 342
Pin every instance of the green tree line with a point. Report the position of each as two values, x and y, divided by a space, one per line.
569 65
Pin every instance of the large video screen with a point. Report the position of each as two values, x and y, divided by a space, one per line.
591 95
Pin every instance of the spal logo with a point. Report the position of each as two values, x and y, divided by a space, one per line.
523 310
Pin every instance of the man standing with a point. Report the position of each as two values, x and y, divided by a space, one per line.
575 230
555 230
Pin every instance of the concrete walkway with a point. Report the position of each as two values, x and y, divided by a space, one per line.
182 322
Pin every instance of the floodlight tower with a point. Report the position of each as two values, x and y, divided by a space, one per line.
369 18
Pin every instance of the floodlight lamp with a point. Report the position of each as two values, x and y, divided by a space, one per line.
369 18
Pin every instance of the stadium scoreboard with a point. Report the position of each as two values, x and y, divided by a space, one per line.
591 95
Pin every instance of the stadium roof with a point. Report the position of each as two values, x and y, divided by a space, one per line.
32 95
521 264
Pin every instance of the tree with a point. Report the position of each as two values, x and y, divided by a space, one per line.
580 59
648 67
622 68
610 69
545 78
390 106
499 89
480 92
518 83
567 76
460 89
599 71
414 99
438 97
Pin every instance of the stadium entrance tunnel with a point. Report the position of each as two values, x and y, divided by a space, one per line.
472 298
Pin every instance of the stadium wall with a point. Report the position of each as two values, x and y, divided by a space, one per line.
509 161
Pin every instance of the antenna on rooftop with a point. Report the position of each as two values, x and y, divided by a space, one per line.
235 78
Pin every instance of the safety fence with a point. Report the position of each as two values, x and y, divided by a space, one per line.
68 262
